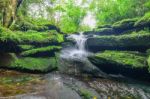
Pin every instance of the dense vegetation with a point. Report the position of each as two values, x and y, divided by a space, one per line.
70 15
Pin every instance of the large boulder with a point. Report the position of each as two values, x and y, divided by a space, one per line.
137 41
126 63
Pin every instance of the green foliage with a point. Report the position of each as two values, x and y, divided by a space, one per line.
35 64
42 49
28 24
124 58
71 14
70 22
109 11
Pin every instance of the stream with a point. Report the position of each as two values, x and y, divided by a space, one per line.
73 84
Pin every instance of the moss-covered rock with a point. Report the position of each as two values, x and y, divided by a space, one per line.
26 47
32 24
125 24
35 64
10 41
29 36
123 27
148 60
127 63
134 41
43 51
148 51
144 21
118 28
28 64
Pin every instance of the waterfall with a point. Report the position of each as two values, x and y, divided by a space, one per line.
74 59
78 51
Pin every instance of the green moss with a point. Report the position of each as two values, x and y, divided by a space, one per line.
26 47
38 21
124 58
11 80
124 24
42 49
148 51
108 30
127 40
145 20
85 94
35 64
30 36
148 60
6 34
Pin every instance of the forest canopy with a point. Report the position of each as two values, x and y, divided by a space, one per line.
78 15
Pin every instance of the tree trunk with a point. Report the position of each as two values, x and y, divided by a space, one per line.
10 12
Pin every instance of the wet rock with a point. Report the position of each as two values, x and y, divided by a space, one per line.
80 68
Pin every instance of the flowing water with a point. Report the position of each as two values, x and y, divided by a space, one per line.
78 51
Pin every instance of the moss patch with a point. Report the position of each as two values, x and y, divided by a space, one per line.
124 58
26 47
48 49
125 24
148 60
141 38
34 64
144 21
85 94
30 36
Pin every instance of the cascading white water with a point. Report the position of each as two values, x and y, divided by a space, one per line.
80 40
79 51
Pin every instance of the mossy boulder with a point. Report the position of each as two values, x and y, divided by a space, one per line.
135 41
127 63
28 64
35 64
10 41
32 24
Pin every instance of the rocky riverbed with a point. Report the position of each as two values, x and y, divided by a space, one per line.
16 85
